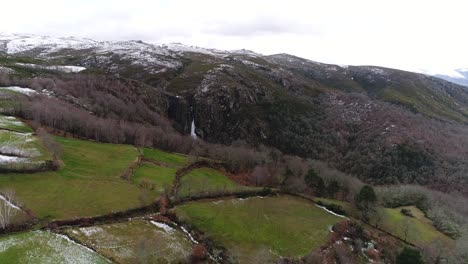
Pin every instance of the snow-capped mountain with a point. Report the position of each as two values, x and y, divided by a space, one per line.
153 56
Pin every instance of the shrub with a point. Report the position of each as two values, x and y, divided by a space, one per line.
199 253
265 192
409 256
406 212
147 184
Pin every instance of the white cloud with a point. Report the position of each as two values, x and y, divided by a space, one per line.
402 34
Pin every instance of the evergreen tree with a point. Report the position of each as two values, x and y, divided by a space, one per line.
366 201
409 256
314 181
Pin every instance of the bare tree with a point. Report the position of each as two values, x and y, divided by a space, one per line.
8 209
405 228
49 142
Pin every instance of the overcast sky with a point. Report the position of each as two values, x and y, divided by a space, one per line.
409 34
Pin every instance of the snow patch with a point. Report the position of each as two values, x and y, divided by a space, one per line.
181 48
189 235
67 69
72 242
163 226
26 91
331 212
11 159
88 231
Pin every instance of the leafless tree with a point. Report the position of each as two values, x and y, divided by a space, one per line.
8 209
405 228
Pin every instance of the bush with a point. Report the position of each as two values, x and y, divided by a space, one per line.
406 212
147 184
409 256
265 192
199 253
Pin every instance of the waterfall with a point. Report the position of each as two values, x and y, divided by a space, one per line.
192 130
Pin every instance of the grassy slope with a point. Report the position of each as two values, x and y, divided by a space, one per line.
44 247
27 142
165 157
11 123
289 226
162 177
423 101
137 241
207 180
89 184
420 229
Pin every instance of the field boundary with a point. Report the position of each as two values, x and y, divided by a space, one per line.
186 169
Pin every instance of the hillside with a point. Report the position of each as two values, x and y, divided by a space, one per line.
363 119
129 152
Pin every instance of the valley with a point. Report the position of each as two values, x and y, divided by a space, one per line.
65 208
132 152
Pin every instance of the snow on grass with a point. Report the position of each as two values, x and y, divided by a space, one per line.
13 124
135 241
88 231
18 144
22 90
73 242
67 69
45 247
11 159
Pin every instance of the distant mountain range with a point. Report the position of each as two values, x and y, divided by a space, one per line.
461 77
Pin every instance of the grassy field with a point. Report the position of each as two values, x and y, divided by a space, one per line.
89 183
417 230
12 123
136 241
161 177
165 157
205 180
261 227
44 247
